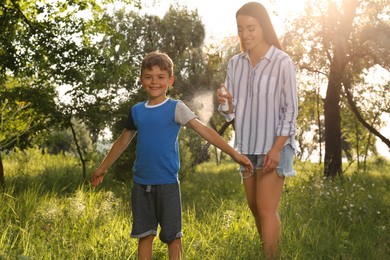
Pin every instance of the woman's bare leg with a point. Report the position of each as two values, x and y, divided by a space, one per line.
250 185
269 191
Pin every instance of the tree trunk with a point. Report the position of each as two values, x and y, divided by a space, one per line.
83 161
319 124
2 179
333 165
332 160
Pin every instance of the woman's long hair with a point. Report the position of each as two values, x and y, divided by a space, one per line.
258 11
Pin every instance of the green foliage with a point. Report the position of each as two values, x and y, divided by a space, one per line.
95 57
357 141
39 52
61 141
52 45
58 142
15 119
310 118
48 212
22 112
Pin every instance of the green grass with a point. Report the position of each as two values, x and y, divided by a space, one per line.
48 212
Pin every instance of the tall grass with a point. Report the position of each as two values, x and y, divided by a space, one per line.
48 212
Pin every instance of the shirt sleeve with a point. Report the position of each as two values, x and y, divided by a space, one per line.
130 122
183 114
289 102
229 86
229 117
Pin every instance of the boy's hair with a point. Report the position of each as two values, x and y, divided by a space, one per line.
160 59
258 11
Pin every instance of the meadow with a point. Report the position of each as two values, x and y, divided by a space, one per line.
48 212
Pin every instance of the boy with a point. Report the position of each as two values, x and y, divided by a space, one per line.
155 195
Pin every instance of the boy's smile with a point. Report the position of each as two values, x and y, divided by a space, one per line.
156 83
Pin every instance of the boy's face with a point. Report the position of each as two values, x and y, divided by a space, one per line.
156 83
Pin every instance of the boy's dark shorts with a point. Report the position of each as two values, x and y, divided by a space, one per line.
153 205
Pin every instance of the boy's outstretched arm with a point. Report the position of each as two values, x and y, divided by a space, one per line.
116 150
214 138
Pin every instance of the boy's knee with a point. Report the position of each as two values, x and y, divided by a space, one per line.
147 239
169 238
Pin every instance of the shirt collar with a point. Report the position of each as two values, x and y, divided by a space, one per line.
268 56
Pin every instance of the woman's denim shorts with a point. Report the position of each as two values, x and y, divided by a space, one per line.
285 167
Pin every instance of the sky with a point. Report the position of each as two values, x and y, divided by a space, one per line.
218 16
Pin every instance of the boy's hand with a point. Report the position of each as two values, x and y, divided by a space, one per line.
245 162
97 178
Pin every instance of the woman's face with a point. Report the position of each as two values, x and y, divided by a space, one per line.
250 32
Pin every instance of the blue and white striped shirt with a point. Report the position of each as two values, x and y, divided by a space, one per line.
264 99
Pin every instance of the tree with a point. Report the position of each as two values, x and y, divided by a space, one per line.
333 40
45 46
15 119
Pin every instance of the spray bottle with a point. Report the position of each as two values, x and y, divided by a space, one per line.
225 106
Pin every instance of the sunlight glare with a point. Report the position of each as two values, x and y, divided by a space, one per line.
218 16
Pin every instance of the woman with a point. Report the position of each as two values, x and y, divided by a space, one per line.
261 93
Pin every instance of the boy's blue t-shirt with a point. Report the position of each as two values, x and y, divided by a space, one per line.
157 151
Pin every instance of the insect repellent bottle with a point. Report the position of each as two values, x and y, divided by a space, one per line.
225 106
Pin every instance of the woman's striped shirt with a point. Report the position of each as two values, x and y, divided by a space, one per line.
264 99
